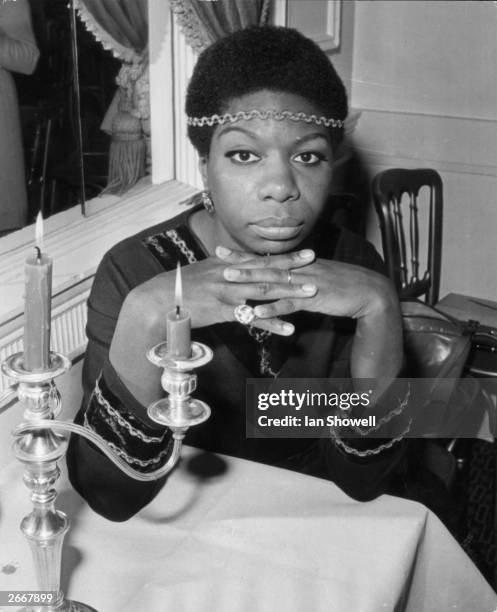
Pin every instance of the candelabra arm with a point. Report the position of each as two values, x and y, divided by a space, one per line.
63 427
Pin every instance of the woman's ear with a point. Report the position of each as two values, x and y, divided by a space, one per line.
202 166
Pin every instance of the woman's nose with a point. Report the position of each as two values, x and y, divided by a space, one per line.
278 182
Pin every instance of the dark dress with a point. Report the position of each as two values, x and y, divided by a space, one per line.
320 348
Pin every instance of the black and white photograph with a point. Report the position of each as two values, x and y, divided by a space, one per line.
248 305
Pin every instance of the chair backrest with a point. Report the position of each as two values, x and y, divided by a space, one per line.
399 206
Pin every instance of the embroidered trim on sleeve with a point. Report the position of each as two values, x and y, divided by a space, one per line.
114 414
133 441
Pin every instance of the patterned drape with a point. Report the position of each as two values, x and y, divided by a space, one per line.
121 26
205 21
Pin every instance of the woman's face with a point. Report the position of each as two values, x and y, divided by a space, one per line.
269 179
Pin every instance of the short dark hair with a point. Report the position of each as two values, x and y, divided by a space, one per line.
256 58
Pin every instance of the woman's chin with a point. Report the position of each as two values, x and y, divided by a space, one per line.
277 247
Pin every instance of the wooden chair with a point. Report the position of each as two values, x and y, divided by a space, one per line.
396 195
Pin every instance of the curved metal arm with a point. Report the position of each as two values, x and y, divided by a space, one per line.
62 426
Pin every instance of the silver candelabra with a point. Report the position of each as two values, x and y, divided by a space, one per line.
40 441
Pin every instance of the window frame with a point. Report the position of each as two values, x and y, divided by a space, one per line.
62 229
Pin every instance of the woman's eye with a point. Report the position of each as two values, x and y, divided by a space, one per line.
309 158
242 157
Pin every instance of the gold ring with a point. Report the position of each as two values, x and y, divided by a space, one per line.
289 277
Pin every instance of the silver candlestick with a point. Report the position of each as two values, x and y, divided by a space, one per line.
41 441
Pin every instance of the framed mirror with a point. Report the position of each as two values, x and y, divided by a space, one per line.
38 35
60 83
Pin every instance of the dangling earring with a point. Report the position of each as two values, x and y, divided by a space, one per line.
207 202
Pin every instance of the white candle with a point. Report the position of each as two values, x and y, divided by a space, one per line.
179 324
37 305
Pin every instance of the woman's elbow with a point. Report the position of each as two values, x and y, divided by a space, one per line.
104 487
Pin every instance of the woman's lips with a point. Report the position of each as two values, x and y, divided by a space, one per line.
274 228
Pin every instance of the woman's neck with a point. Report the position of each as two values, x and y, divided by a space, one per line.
203 226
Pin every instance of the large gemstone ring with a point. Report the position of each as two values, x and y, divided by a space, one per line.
244 314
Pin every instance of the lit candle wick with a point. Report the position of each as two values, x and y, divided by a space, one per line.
39 233
38 253
178 289
178 311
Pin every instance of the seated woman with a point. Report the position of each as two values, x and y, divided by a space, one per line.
265 112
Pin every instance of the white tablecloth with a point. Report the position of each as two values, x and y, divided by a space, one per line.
251 538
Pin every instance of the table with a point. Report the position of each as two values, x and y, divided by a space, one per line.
247 537
465 307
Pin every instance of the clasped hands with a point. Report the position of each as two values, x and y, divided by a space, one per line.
215 286
285 283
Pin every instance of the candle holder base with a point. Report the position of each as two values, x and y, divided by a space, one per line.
179 411
190 412
40 450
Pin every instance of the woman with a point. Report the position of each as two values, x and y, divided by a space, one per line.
18 53
265 112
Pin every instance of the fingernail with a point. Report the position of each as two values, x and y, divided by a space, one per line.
309 288
306 253
288 328
231 274
223 251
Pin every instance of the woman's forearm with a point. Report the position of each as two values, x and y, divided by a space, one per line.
377 350
136 332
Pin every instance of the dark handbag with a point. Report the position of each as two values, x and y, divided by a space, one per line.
436 345
446 351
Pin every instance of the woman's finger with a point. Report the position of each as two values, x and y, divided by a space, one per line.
266 275
278 308
275 326
271 324
287 261
234 293
231 256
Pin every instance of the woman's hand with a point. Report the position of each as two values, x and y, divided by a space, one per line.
331 287
338 289
211 297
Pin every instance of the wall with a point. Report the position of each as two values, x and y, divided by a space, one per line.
425 77
342 57
311 18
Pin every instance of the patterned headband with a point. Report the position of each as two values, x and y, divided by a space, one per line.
264 114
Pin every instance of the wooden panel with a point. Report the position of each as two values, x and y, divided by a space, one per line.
319 20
